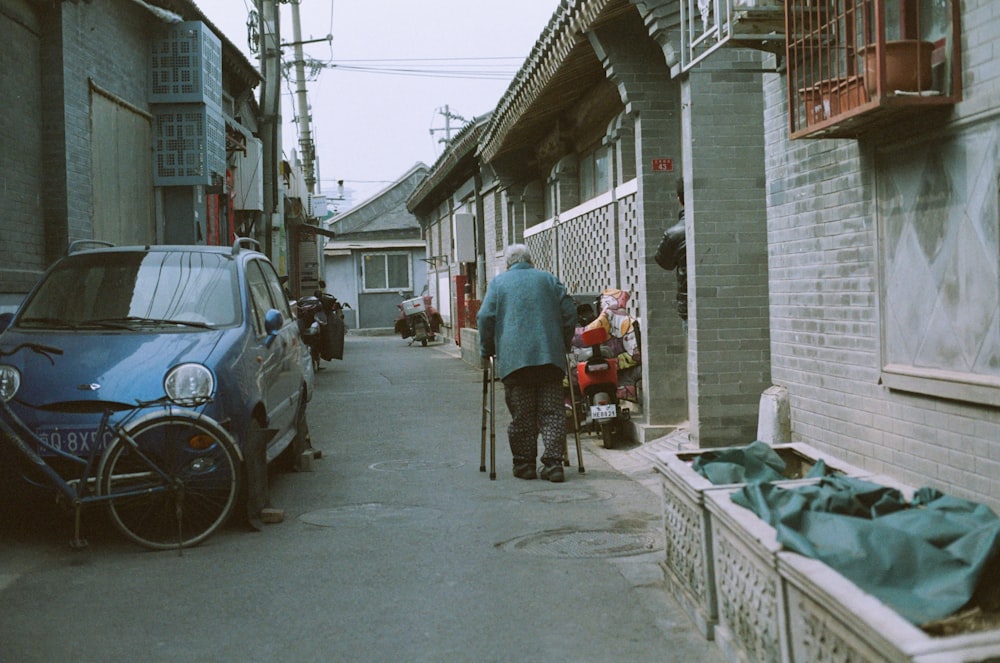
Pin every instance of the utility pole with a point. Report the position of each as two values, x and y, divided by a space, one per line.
448 117
306 146
270 121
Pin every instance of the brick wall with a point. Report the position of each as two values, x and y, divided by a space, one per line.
52 53
107 42
22 239
824 299
728 358
648 129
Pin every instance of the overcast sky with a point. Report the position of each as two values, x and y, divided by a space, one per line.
370 126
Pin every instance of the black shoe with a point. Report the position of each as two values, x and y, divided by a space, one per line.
553 473
525 471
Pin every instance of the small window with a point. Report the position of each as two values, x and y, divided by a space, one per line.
595 173
386 271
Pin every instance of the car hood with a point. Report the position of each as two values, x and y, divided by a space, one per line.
118 367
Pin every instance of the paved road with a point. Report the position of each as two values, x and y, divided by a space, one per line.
395 547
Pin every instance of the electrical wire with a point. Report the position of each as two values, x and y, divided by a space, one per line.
469 74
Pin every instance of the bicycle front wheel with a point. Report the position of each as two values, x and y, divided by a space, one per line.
173 482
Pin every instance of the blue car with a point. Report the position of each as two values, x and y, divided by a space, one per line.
208 327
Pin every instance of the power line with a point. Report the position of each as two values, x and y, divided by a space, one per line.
323 179
513 59
431 70
430 73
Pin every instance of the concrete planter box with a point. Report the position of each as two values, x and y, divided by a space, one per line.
752 617
778 606
832 619
688 561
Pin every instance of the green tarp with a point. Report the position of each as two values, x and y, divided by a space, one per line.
923 558
755 462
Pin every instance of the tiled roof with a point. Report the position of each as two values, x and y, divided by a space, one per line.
550 56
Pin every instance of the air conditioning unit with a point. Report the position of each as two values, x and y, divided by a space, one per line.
186 66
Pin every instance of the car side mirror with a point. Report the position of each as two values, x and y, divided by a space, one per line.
5 319
273 322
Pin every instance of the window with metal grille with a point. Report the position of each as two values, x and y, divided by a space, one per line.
855 66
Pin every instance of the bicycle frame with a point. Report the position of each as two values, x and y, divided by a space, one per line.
19 433
151 470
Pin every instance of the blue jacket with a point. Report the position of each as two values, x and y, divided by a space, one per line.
526 319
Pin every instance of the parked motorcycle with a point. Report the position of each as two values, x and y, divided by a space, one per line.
597 381
418 320
321 322
312 325
606 359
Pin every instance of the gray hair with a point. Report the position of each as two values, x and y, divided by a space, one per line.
516 253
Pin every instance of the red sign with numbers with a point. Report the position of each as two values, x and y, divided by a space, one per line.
663 165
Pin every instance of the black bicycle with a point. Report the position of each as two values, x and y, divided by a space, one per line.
168 476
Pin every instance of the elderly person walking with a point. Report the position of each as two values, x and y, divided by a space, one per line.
527 321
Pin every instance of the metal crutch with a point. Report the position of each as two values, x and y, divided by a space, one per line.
576 423
489 407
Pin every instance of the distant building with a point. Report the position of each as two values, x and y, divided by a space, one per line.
375 258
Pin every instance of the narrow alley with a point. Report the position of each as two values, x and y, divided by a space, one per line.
393 547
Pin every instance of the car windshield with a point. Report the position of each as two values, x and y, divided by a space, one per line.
127 289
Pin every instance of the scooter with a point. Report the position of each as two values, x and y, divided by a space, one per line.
418 320
313 323
321 323
604 365
597 381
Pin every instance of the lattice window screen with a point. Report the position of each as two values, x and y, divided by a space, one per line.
631 258
588 263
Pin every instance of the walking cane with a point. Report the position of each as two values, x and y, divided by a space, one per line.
489 405
570 367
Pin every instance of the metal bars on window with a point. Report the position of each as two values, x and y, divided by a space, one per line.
707 25
854 64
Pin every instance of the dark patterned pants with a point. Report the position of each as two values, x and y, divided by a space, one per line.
536 408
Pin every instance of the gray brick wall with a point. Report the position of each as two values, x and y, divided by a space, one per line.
648 129
107 42
22 238
824 300
724 173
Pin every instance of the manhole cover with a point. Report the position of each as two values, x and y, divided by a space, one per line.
368 514
403 465
566 495
583 543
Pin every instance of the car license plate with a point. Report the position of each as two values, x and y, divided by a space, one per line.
603 412
79 441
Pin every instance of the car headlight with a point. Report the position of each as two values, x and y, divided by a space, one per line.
189 384
10 381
